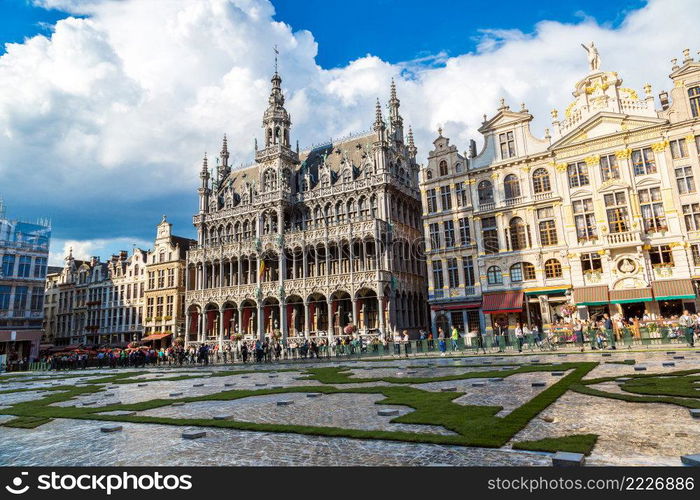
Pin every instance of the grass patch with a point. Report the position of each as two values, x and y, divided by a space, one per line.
576 443
27 422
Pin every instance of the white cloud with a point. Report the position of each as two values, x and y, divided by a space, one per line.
120 105
84 249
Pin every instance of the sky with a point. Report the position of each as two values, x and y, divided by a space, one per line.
107 106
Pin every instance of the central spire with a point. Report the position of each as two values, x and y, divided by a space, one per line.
276 120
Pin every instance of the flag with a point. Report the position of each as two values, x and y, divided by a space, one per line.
261 273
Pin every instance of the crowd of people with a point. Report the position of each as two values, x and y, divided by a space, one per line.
601 332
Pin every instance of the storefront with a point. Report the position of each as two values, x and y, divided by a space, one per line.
592 301
631 302
19 345
504 308
543 305
674 296
464 316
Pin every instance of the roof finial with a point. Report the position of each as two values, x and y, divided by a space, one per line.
277 52
440 131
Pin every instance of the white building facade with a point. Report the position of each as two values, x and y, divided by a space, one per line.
600 215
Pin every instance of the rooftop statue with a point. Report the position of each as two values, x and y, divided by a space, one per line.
593 56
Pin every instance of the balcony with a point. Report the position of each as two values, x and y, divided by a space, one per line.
626 238
484 207
510 202
543 196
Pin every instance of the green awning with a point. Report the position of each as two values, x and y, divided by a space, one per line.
547 292
682 289
630 295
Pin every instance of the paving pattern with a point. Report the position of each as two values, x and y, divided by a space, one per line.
629 433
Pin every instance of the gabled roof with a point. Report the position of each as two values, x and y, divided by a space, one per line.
603 120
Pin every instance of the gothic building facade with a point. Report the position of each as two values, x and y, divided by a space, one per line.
306 243
601 214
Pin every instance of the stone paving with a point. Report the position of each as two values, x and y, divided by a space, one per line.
629 433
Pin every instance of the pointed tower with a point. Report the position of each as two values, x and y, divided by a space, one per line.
204 190
276 120
412 149
379 147
395 120
224 155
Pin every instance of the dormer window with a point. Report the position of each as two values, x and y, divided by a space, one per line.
507 145
443 168
694 96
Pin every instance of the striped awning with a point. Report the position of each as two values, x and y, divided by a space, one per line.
673 289
505 302
454 307
155 336
591 295
630 295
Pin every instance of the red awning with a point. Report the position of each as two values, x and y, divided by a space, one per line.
505 302
156 336
452 307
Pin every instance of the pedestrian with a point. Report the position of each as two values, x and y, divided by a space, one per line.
687 323
441 342
455 338
519 336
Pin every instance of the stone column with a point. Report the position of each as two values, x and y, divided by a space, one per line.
261 322
240 320
283 319
355 317
221 328
329 321
307 320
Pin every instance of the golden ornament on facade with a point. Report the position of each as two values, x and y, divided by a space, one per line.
623 154
561 167
592 160
659 147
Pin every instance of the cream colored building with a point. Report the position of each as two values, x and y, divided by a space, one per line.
164 310
602 213
306 243
94 302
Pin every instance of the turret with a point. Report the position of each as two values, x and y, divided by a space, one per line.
412 149
276 120
395 120
224 155
204 190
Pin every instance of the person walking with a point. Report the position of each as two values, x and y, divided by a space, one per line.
519 336
687 324
441 342
455 338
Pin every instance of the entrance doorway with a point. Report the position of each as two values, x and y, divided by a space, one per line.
633 310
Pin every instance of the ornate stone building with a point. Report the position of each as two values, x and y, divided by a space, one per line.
602 213
99 302
164 314
308 242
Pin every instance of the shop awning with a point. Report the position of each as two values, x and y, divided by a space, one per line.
454 307
156 336
19 336
631 295
591 295
557 290
673 289
505 302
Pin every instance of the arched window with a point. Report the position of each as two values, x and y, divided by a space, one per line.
694 96
518 236
552 269
511 186
494 275
458 167
540 181
485 190
270 180
529 271
443 167
516 272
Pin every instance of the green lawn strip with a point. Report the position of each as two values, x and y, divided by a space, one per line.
26 422
687 403
575 443
684 386
600 380
342 375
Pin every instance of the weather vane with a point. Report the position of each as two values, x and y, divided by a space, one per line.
276 54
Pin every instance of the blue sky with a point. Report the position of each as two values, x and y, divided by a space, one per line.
113 103
400 30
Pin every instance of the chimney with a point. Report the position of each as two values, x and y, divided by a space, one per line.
472 148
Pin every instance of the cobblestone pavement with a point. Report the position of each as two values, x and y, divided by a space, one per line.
629 433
